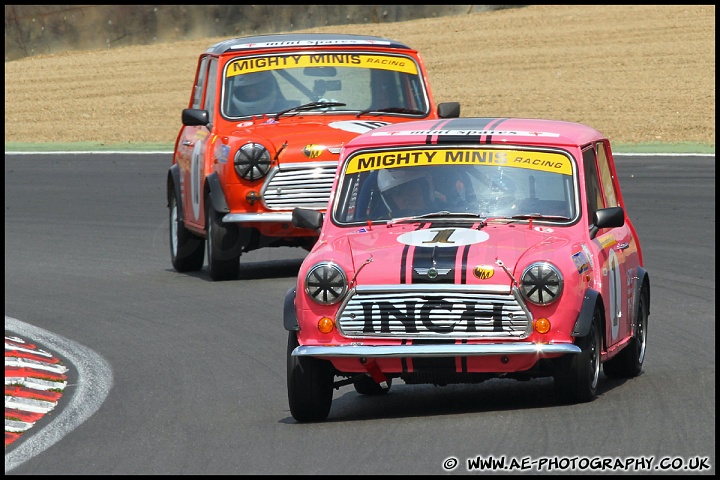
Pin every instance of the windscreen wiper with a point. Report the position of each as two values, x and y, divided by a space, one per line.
539 216
380 111
310 106
454 216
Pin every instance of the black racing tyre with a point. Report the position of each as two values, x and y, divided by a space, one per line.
576 379
187 250
628 363
309 385
223 250
365 385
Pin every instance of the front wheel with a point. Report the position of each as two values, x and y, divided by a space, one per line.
576 379
309 385
187 250
223 247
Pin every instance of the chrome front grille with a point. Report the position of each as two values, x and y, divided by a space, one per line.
449 312
304 185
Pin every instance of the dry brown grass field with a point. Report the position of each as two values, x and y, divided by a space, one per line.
641 74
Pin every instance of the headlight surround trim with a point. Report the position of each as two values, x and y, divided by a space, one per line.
541 283
252 161
326 283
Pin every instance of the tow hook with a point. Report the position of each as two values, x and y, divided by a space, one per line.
375 372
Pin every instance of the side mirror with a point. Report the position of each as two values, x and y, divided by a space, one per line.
307 218
607 218
448 110
193 117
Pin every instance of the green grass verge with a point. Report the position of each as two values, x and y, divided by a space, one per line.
167 147
88 147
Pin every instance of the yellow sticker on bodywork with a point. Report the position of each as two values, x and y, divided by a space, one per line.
543 161
277 62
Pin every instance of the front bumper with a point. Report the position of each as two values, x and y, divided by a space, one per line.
441 350
266 217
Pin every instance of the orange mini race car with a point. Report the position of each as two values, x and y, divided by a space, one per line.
262 135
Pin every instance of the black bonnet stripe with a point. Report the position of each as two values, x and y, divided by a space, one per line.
438 126
463 264
491 126
434 265
403 263
464 124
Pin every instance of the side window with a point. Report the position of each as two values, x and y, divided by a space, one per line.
199 87
592 184
209 104
606 175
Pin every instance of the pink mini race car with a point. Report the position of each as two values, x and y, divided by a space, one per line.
460 250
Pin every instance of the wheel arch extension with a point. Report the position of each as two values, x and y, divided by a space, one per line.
212 187
215 193
590 301
173 187
289 316
642 287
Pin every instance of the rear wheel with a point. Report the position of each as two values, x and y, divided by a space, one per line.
628 363
309 385
577 377
187 250
223 249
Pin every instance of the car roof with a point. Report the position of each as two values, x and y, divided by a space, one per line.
480 130
301 40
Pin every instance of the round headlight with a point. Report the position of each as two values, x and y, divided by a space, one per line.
541 283
252 161
326 283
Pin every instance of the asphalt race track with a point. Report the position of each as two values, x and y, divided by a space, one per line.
197 368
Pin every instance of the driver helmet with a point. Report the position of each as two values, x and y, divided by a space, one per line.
254 93
398 178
